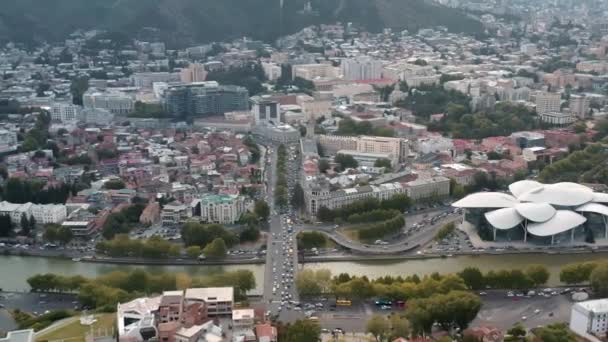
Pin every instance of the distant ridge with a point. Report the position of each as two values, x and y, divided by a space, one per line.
186 22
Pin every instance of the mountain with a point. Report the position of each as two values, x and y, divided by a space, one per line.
194 21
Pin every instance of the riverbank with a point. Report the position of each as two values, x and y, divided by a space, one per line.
397 257
354 257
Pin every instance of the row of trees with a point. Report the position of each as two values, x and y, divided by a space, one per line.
531 276
399 202
198 234
153 248
105 291
373 216
58 234
310 283
595 273
280 191
348 126
37 137
17 190
381 229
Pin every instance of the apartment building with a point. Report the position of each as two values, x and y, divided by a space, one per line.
435 187
361 68
317 194
175 213
65 112
579 106
548 102
223 209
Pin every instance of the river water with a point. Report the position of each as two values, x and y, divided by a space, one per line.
14 270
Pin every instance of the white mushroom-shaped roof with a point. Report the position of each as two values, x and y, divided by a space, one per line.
593 208
486 200
558 194
562 221
537 212
523 186
505 218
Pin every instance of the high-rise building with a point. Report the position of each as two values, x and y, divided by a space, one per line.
65 112
579 105
361 68
548 102
205 98
195 72
265 110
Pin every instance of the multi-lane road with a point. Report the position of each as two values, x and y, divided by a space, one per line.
280 292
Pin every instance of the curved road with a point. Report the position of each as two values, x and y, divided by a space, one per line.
407 244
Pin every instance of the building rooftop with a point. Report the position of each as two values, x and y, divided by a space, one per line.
597 305
211 294
19 336
242 314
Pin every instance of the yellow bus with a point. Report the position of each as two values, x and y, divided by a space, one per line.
343 302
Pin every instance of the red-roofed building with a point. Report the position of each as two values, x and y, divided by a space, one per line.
266 333
485 334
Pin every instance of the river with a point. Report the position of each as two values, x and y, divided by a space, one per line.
14 270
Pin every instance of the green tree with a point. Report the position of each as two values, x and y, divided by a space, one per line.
193 252
558 332
517 331
346 161
216 249
25 225
383 162
323 165
400 327
307 284
78 87
114 184
473 278
303 331
6 226
261 209
379 327
599 280
577 273
538 273
297 198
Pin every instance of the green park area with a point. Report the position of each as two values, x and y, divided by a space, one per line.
73 331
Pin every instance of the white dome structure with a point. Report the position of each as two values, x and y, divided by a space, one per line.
532 206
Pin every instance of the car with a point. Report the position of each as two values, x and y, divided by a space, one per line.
483 293
523 318
537 311
325 331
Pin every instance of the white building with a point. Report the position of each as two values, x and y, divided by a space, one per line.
147 79
272 71
557 118
97 116
49 213
114 101
8 141
223 209
590 317
548 102
361 68
15 211
65 112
